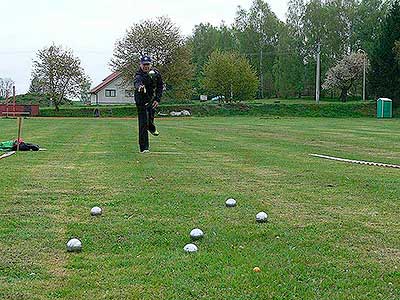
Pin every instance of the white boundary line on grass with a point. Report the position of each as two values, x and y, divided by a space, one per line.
361 162
7 154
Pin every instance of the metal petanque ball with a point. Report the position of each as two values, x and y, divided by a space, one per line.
152 73
74 245
190 248
96 211
261 217
196 234
230 202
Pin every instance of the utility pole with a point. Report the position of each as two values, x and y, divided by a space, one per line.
261 73
364 70
14 98
318 75
364 79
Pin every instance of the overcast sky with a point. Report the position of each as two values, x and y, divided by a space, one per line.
91 27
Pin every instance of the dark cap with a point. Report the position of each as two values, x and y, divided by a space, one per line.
145 60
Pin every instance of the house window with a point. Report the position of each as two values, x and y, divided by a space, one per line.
111 93
129 93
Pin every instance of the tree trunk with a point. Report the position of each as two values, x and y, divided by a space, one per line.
53 101
343 94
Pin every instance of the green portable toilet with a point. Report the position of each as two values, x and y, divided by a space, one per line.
384 108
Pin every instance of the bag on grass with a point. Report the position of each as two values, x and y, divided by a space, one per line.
26 147
6 146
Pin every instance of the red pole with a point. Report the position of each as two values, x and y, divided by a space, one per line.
14 99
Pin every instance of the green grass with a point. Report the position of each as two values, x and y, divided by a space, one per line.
333 230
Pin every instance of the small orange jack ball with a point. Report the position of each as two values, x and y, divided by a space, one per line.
257 269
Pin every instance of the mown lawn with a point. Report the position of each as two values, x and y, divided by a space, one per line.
334 229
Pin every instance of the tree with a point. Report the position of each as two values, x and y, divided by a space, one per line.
6 85
323 24
289 64
257 31
288 67
58 73
161 39
345 73
367 23
295 18
341 26
230 75
205 39
85 91
385 71
36 87
396 50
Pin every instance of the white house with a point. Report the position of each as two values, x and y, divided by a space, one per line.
111 91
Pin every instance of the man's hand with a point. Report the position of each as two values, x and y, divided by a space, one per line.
142 88
155 104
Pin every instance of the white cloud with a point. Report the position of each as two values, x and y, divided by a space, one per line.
91 28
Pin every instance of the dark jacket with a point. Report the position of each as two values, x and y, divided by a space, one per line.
154 87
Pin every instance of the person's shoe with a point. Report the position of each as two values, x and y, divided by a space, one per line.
145 151
155 133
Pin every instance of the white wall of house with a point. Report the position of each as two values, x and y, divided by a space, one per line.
105 96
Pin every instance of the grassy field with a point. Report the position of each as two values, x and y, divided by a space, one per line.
334 229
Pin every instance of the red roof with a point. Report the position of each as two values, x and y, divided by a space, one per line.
106 81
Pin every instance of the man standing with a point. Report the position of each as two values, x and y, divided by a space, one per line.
148 91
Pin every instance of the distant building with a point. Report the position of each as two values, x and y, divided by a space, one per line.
111 91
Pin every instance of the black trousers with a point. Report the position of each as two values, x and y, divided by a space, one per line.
146 124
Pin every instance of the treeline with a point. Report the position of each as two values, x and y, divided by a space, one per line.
261 56
284 53
257 56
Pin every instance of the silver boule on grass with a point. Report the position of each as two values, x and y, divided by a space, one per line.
96 211
262 217
196 234
74 245
190 248
230 202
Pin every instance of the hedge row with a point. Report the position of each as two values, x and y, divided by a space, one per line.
89 111
295 110
334 110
